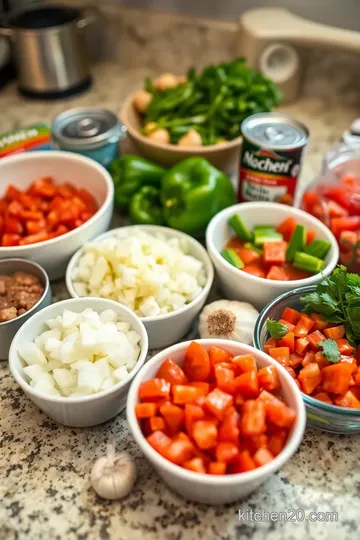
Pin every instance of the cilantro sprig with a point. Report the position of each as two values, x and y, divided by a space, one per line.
330 349
276 329
337 299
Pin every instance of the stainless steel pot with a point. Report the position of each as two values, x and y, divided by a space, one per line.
49 49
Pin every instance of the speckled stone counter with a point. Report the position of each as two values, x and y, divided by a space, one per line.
44 484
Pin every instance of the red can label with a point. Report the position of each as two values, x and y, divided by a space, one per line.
266 175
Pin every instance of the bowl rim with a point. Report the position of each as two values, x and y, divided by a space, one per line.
45 282
209 269
28 156
276 284
191 150
208 479
325 407
42 315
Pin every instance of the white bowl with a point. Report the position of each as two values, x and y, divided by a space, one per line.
21 170
162 330
206 488
81 411
238 285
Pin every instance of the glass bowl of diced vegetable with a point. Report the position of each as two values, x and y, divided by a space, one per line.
314 363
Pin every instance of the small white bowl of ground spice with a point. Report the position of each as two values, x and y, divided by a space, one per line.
24 290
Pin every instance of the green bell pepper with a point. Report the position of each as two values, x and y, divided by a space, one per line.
130 174
145 207
192 192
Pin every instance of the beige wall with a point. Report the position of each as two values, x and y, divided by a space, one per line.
345 13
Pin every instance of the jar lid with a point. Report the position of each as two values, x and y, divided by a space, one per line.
87 128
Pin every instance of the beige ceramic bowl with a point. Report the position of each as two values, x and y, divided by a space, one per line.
223 156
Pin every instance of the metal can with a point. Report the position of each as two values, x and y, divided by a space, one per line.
91 131
272 151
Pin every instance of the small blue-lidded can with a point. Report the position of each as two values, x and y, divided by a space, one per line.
90 131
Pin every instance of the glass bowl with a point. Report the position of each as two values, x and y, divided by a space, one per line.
320 415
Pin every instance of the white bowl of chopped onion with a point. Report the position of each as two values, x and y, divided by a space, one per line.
161 274
76 359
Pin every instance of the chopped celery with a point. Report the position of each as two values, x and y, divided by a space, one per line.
232 257
264 234
249 245
240 228
306 262
297 242
318 248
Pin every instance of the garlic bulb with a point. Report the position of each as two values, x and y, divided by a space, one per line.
226 319
113 476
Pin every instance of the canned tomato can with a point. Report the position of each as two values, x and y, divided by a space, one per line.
90 131
272 151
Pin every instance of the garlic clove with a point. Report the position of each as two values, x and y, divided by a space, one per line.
113 476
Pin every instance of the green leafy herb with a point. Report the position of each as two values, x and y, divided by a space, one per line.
276 329
337 299
330 349
213 102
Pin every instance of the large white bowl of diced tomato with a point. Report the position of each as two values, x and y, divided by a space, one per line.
263 249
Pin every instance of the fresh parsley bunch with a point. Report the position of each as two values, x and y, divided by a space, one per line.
337 299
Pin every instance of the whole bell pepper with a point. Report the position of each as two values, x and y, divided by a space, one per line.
130 174
145 207
192 192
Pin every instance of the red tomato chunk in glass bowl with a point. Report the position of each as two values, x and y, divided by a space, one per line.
317 355
336 202
217 415
43 211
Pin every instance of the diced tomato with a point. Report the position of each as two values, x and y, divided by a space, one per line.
291 372
184 393
253 417
193 412
159 441
224 378
197 363
320 324
247 255
301 345
274 252
88 199
226 451
217 468
229 427
281 355
34 238
309 378
321 360
269 344
217 355
10 240
239 400
349 360
336 378
154 389
291 316
324 396
217 402
15 208
247 384
267 396
263 456
310 199
279 414
277 274
336 210
340 224
335 332
303 327
347 400
344 346
195 464
12 193
268 378
295 360
290 326
276 441
43 188
314 339
33 227
245 362
254 442
243 462
180 449
12 225
171 372
255 270
145 410
205 386
173 416
288 341
157 423
286 228
204 433
310 236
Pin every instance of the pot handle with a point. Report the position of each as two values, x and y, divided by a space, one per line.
89 15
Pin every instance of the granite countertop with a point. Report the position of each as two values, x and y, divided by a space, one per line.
45 490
